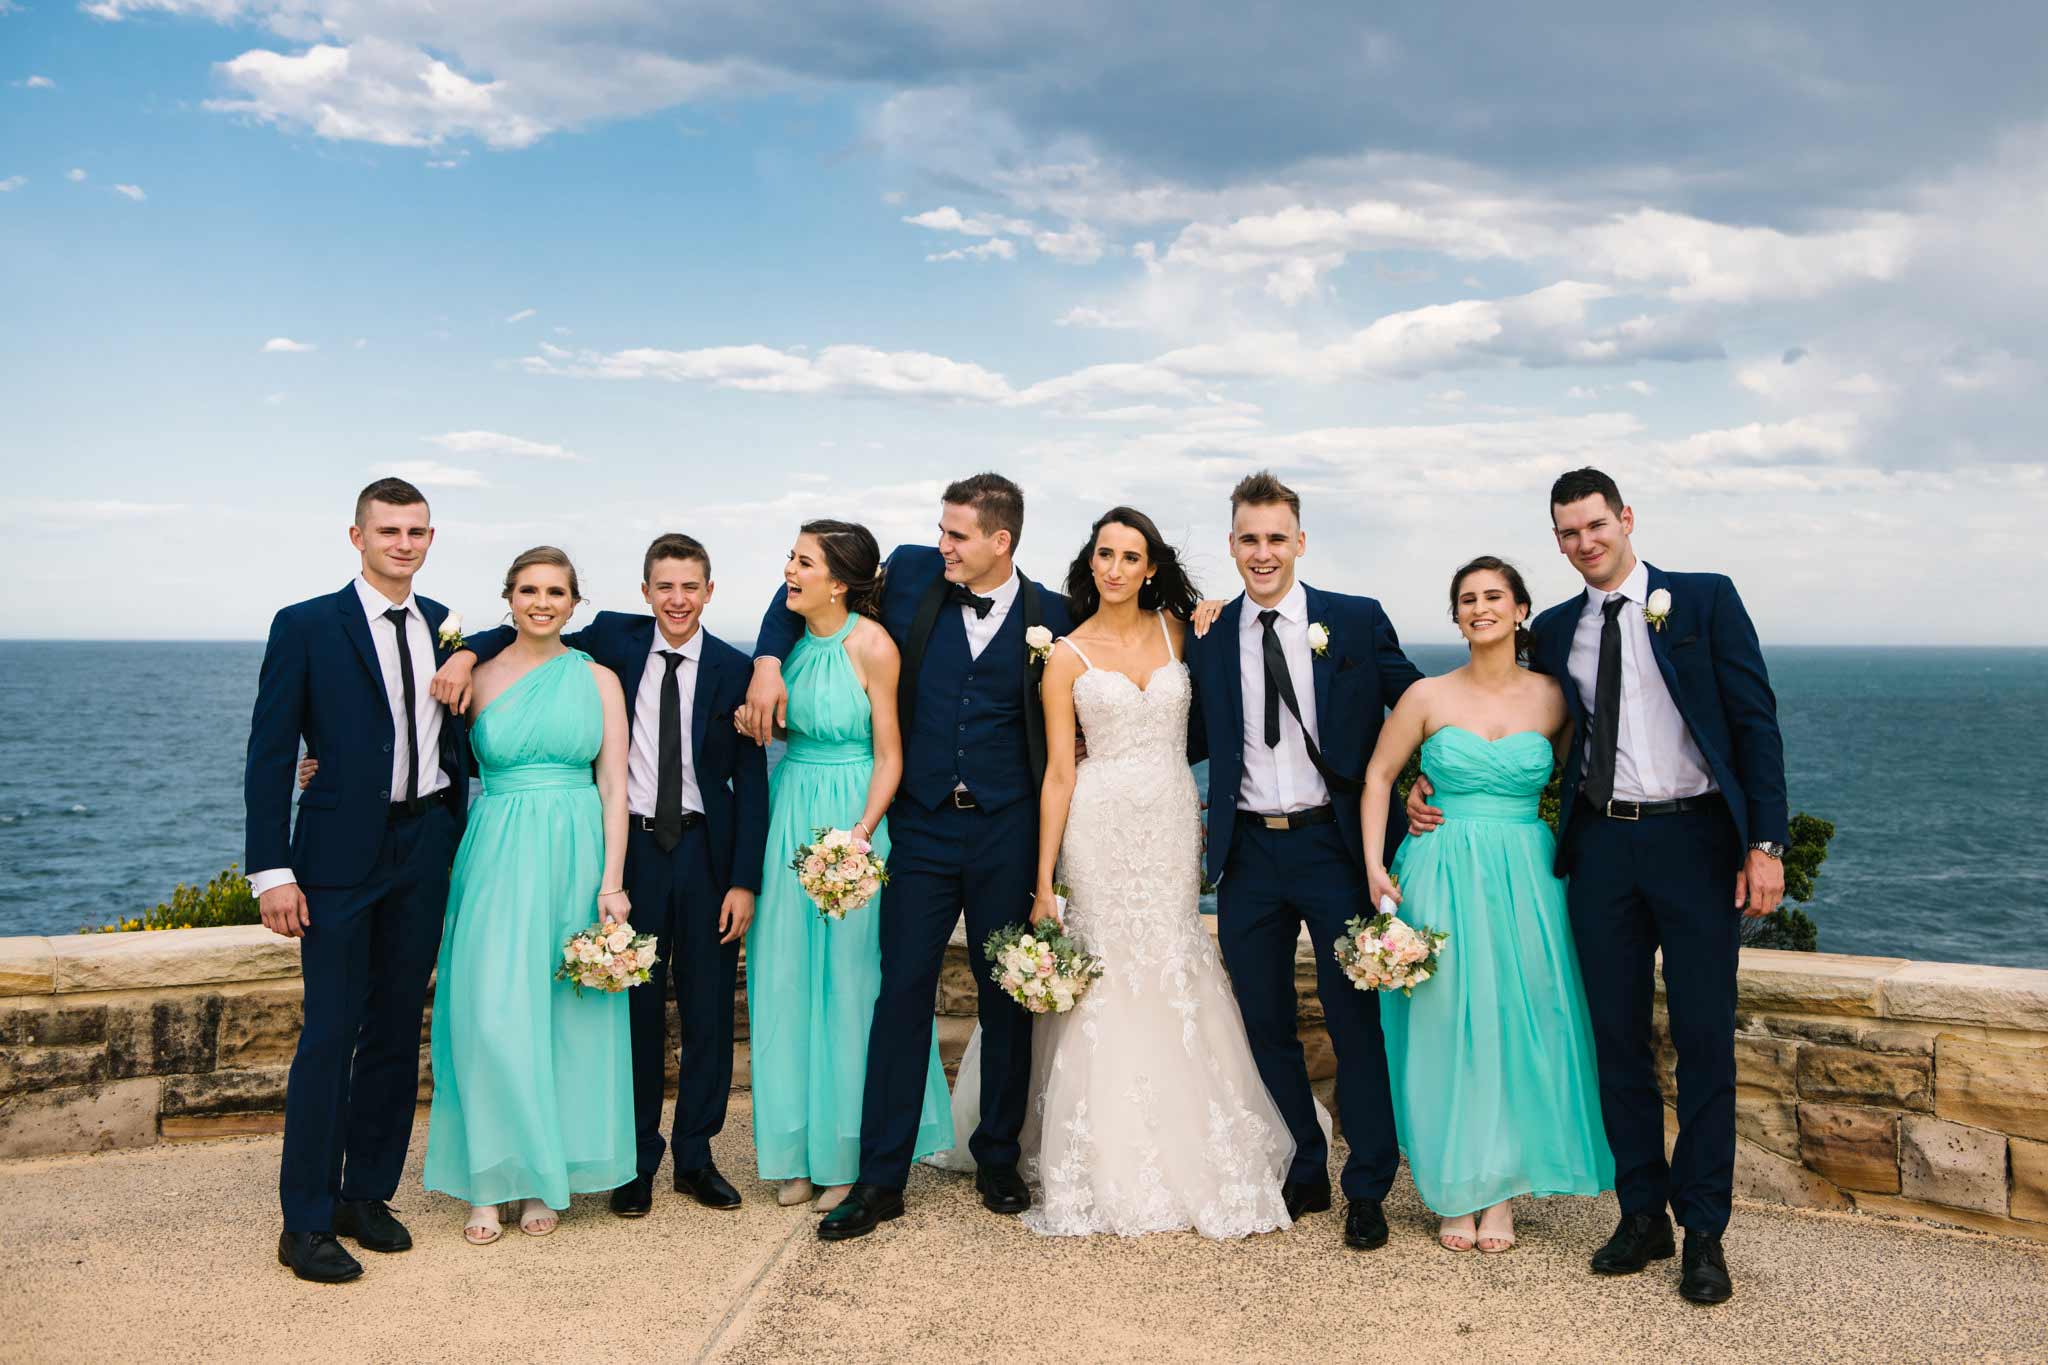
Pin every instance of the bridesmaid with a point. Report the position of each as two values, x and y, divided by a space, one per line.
1491 1062
533 1093
812 982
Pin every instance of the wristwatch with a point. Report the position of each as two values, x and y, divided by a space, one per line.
1769 849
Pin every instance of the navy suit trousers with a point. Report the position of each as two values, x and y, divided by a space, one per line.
941 862
1667 881
1276 881
676 899
366 957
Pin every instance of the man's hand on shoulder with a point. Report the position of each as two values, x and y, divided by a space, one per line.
767 705
451 682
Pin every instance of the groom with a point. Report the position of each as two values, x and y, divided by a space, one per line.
1673 819
1292 684
698 798
362 880
964 827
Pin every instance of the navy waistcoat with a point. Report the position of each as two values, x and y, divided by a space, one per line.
970 724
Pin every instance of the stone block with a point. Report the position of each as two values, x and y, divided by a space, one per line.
226 1092
1811 983
259 1026
1857 1149
1766 1068
163 1034
52 1023
23 1069
1964 993
1949 1163
952 1031
88 1118
1667 1071
1769 1176
1770 1123
1893 1206
1872 1035
2029 1180
153 959
743 1066
1853 1076
1317 1051
1992 1085
28 966
959 991
199 1127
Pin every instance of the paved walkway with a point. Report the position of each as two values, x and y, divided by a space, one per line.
167 1254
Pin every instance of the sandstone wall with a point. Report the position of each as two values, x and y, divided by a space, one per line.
1894 1087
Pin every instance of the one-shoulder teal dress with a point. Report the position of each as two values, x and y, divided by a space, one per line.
812 982
533 1094
1490 1062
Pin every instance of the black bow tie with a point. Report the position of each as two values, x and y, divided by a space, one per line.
980 606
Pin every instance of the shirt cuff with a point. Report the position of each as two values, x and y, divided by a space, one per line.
260 882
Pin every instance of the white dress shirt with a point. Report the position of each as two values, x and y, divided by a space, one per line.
643 760
1281 779
426 711
1655 758
982 629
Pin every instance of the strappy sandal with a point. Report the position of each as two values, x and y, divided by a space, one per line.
538 1224
1499 1242
1451 1241
481 1233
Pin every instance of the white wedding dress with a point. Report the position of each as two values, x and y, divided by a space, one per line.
1147 1111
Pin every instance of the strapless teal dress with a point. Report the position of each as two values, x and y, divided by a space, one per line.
533 1095
812 982
1490 1062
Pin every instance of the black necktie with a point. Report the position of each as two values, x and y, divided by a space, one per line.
980 606
1599 783
668 782
396 616
1279 688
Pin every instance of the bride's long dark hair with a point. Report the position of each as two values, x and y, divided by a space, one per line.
1169 589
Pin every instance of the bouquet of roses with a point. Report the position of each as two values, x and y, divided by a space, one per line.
1385 953
606 957
1039 967
839 871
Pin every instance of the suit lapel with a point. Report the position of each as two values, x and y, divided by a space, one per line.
914 648
1320 664
356 625
710 670
1656 581
639 642
1557 655
1227 626
1034 715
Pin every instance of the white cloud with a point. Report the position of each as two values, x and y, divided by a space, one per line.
497 443
275 400
1827 436
74 175
1642 387
946 218
521 316
432 474
359 343
12 183
1701 261
372 91
995 248
84 511
131 192
40 83
285 345
1080 244
1083 316
764 369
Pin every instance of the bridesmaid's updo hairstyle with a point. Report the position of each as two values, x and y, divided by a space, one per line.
852 557
1520 592
542 554
1169 589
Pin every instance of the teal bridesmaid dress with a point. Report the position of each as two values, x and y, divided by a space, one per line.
1490 1062
812 982
533 1092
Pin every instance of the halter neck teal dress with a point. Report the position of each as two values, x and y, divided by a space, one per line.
1490 1062
533 1094
812 982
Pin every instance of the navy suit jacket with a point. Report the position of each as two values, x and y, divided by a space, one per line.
321 683
1714 669
1360 675
913 593
732 773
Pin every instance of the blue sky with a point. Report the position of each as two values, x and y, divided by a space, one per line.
589 271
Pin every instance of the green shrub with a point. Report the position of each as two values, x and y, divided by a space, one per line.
224 900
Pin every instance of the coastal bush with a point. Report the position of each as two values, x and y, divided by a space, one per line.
224 900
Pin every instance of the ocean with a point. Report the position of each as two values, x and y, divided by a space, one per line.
121 775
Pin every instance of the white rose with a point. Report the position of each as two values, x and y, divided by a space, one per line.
1038 637
1659 603
1318 635
838 838
451 624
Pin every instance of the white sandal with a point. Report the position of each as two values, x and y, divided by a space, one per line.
538 1223
482 1229
1501 1241
794 1192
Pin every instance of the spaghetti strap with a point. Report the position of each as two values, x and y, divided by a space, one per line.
1063 640
1171 657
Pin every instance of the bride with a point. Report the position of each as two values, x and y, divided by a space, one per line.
1147 1112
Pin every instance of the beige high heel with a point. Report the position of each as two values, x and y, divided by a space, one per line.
1456 1240
794 1192
831 1199
1494 1243
536 1219
482 1229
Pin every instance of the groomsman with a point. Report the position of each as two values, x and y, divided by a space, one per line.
362 879
964 826
1674 819
699 800
1291 686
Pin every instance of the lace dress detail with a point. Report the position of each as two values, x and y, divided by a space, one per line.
1148 1114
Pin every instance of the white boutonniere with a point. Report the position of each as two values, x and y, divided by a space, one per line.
450 634
1318 639
1657 610
1039 640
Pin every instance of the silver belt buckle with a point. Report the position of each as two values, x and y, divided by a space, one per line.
1275 822
1635 810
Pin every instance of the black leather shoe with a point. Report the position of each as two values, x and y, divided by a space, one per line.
370 1223
865 1208
1365 1225
708 1187
634 1198
1305 1197
1002 1190
1705 1276
316 1256
1638 1239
